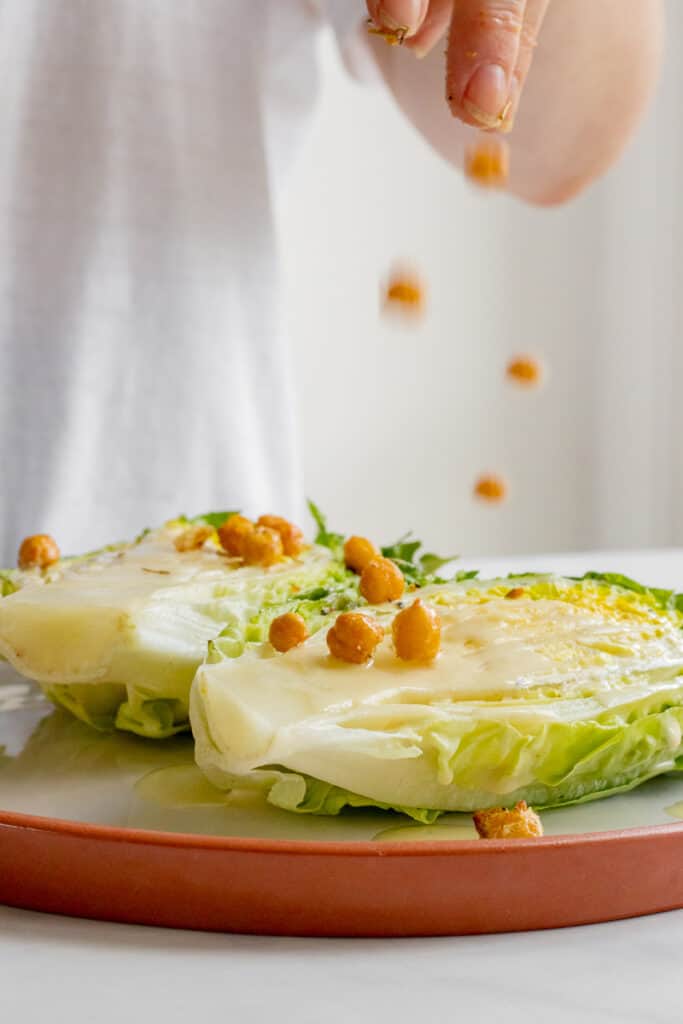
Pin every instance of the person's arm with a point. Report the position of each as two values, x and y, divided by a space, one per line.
574 106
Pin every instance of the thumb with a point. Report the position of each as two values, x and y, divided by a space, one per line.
482 55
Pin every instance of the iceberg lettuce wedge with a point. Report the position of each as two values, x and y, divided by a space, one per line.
569 692
116 636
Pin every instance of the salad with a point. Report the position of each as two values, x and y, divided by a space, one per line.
336 674
460 696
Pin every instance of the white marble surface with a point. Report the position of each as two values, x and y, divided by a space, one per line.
60 969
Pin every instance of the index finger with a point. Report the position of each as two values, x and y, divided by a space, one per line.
483 46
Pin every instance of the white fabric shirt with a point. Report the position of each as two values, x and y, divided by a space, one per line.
143 369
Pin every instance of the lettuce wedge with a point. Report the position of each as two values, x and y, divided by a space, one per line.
565 691
116 636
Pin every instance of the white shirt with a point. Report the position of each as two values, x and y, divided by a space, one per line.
143 368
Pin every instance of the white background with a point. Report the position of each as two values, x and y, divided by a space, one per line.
397 420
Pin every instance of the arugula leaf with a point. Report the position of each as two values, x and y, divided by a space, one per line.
421 569
431 563
212 519
324 537
463 574
402 550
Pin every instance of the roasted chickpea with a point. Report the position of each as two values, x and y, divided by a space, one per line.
262 546
487 163
232 534
417 633
291 536
516 592
192 538
518 822
354 637
38 552
287 631
404 291
358 552
526 371
490 488
381 580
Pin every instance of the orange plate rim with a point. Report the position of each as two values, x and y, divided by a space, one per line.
329 848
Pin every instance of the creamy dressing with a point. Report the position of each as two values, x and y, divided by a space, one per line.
304 707
145 610
675 810
150 567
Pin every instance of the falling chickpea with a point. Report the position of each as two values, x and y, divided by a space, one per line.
525 371
381 581
354 637
233 533
417 633
287 631
38 552
487 163
404 293
262 546
490 488
359 552
291 536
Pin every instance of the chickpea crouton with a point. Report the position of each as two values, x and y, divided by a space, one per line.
518 822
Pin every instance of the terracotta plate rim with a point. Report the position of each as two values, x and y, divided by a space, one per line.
327 848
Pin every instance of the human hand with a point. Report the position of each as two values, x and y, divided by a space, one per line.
489 52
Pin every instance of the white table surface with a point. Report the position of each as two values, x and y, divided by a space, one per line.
58 969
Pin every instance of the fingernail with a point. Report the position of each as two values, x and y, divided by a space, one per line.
486 95
404 14
509 112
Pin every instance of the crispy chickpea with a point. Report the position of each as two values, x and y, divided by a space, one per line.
291 536
262 546
354 637
287 631
192 538
232 534
526 371
405 294
516 592
490 488
381 580
417 633
358 552
391 36
518 822
487 163
38 552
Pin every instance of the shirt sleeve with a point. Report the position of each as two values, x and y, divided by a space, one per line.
348 19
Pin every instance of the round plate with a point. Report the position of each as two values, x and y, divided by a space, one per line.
124 829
